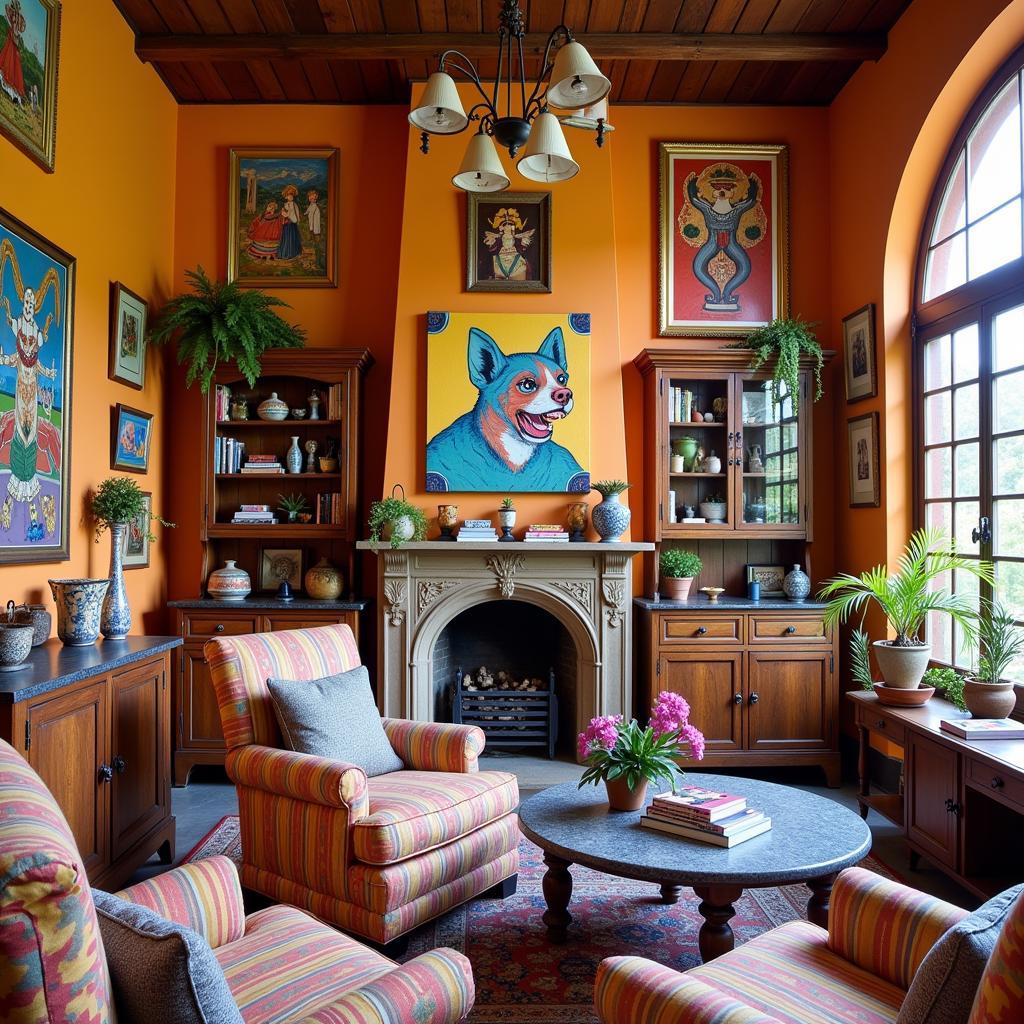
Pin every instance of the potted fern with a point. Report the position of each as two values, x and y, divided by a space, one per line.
782 343
988 694
396 520
219 322
679 568
610 517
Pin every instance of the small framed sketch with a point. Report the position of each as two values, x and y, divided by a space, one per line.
770 577
126 362
131 434
865 483
860 369
135 552
508 248
278 565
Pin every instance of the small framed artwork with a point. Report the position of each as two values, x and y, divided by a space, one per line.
508 244
126 362
770 577
29 44
283 217
859 354
135 552
131 433
279 565
865 482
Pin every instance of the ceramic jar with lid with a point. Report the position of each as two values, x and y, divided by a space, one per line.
797 584
272 408
230 583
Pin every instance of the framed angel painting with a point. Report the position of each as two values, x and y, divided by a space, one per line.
509 243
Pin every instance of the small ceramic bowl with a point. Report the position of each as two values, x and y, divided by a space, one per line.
899 698
328 465
713 593
15 645
305 517
298 414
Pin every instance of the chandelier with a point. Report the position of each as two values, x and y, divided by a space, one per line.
569 80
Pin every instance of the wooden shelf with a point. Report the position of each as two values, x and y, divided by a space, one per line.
277 423
278 476
294 531
694 423
701 476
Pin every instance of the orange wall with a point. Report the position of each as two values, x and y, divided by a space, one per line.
110 203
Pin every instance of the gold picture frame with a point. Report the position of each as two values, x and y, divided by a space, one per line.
528 219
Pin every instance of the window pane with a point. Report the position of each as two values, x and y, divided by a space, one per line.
993 154
936 363
1010 582
939 516
965 519
938 473
952 213
939 628
1008 339
1008 413
1008 456
947 267
965 353
937 416
966 585
1008 526
965 407
967 475
994 241
1016 669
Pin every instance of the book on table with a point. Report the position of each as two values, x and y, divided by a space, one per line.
747 818
984 728
759 827
700 804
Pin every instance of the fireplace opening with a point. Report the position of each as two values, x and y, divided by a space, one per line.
506 666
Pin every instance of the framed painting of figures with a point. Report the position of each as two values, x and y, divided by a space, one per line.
508 248
126 360
29 44
724 238
37 287
283 217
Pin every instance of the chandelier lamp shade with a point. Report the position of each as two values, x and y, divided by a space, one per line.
569 80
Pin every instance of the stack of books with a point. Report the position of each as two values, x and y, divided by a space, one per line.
545 533
983 728
327 509
476 530
334 402
721 819
262 464
680 403
222 402
261 515
228 454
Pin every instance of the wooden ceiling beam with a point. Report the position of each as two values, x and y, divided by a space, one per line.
169 49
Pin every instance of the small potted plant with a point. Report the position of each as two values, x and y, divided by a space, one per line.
714 508
396 519
293 504
610 517
948 682
782 342
679 568
988 694
627 757
507 513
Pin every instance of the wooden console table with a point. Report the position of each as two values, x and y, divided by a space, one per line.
962 804
94 722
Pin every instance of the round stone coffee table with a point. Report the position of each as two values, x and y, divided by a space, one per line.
811 840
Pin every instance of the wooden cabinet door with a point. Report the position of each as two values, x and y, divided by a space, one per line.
198 726
140 788
789 700
933 794
711 681
67 746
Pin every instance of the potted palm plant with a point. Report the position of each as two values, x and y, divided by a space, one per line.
678 570
906 598
989 694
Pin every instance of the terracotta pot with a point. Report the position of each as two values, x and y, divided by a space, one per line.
989 700
676 588
902 667
622 798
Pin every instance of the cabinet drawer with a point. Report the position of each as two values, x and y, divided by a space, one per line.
796 629
881 724
702 629
307 620
985 777
220 625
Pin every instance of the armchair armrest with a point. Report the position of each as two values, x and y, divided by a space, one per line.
303 777
643 992
435 746
885 927
204 896
435 988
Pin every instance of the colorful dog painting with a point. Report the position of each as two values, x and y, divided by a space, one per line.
513 425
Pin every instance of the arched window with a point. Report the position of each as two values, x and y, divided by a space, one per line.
969 355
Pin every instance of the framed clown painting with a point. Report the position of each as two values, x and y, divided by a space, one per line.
37 283
724 238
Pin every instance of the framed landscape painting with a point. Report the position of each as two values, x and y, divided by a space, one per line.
283 217
29 44
508 248
130 439
724 238
126 360
37 287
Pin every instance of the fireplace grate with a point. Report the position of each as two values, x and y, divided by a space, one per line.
509 718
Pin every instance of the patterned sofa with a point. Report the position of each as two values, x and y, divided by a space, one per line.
375 856
281 965
859 971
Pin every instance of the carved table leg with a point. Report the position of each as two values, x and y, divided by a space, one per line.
817 905
557 893
716 907
670 893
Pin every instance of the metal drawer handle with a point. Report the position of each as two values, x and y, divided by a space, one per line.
737 698
105 773
790 630
880 724
952 806
701 630
119 765
996 783
754 698
219 628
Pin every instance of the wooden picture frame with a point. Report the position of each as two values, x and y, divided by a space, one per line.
273 562
126 358
860 368
707 290
272 244
508 242
131 439
865 468
769 576
135 547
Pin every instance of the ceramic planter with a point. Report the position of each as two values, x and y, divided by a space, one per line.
989 700
610 518
15 645
622 798
507 517
116 614
229 583
402 528
323 581
902 667
714 511
79 606
676 588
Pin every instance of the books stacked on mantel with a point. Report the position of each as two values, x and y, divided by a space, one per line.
262 464
545 533
983 728
477 530
721 819
261 515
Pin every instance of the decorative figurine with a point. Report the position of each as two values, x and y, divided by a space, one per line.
577 519
698 460
239 408
311 447
314 404
754 461
720 407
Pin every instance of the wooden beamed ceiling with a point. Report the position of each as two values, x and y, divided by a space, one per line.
368 51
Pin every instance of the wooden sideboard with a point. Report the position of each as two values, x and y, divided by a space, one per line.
94 722
961 803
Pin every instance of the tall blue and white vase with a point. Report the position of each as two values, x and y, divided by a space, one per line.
293 460
116 616
797 584
610 518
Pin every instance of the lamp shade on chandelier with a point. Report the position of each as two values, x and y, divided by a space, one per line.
569 79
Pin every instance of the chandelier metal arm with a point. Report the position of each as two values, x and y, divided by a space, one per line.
458 61
548 65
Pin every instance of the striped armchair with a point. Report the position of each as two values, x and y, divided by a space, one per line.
375 856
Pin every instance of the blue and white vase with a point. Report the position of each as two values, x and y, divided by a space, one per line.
116 615
797 584
79 604
293 460
610 518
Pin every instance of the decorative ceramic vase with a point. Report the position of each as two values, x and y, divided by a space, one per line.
576 520
79 604
229 583
314 404
311 447
293 459
714 511
622 798
272 408
610 518
676 464
712 464
447 517
15 645
116 615
989 700
754 461
902 667
38 617
323 582
402 528
797 584
687 447
676 588
756 511
507 517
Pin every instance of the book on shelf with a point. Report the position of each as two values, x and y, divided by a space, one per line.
545 528
222 402
254 508
703 804
759 828
545 538
744 819
333 402
255 521
261 468
680 404
228 454
983 728
327 509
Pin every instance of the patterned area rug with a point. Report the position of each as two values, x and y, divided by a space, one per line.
521 978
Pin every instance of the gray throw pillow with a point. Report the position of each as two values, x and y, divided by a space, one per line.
161 972
334 717
943 989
